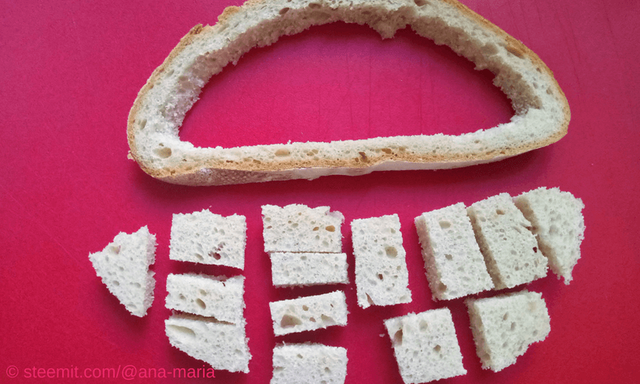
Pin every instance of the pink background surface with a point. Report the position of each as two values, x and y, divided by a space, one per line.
71 71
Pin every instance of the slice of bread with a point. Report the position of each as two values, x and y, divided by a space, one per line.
207 238
309 364
222 345
298 228
504 326
208 296
426 346
542 112
309 313
558 224
507 244
123 267
455 267
301 269
382 277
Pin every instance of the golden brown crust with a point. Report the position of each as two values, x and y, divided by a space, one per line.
217 171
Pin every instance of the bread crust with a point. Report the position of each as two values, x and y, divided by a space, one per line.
208 166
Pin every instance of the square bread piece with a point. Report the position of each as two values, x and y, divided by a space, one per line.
426 346
207 238
309 313
455 267
222 345
298 228
123 266
504 326
382 277
309 364
299 269
207 296
558 224
509 248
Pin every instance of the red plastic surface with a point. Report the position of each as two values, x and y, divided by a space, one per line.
70 72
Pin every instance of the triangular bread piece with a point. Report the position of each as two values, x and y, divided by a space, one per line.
124 268
558 224
542 112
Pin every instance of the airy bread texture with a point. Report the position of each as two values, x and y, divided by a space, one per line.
207 238
222 345
309 364
504 326
558 224
382 277
426 346
542 112
309 313
455 267
302 269
298 228
123 266
208 296
509 248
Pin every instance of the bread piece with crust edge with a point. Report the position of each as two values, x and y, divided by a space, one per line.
542 112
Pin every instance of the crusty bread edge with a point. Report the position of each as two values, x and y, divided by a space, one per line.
284 169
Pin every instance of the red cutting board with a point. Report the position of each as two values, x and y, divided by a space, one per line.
71 71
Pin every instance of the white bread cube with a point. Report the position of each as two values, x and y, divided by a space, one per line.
207 238
382 277
506 242
455 267
222 345
504 326
426 346
123 266
309 313
302 269
558 224
208 296
309 364
298 228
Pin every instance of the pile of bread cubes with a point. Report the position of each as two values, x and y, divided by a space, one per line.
497 243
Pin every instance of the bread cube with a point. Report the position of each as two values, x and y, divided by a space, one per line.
303 269
208 238
309 313
309 364
426 346
455 267
504 326
509 248
382 277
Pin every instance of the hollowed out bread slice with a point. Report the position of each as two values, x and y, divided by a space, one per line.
509 248
382 277
504 326
558 224
123 267
291 269
455 267
541 110
309 313
208 238
298 228
309 364
426 346
222 345
208 296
